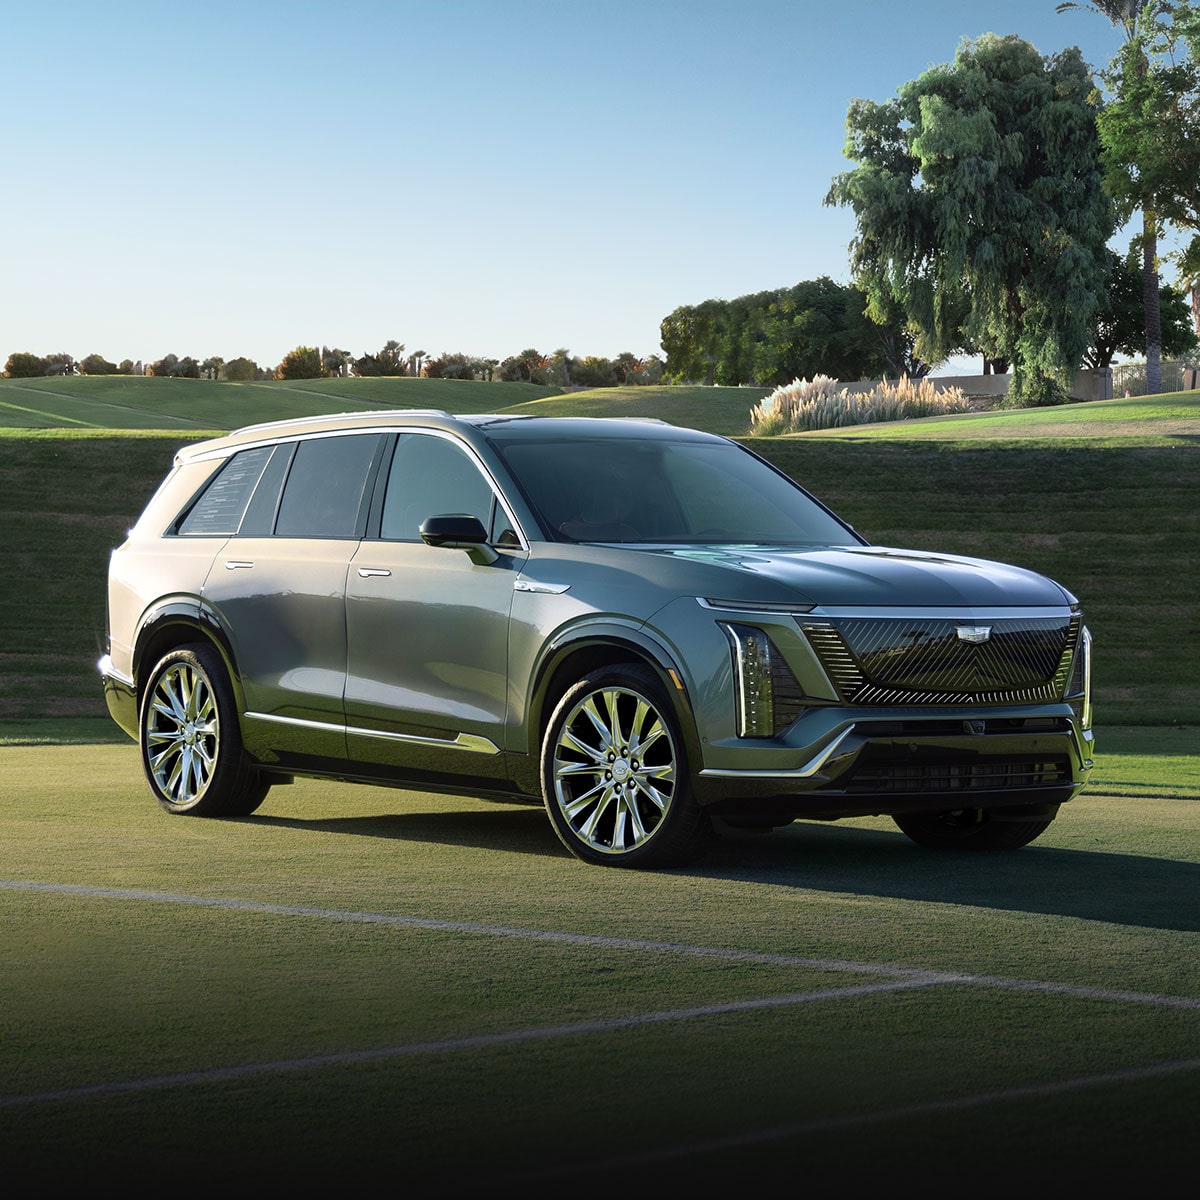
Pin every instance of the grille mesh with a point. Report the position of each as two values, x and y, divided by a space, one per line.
925 661
957 777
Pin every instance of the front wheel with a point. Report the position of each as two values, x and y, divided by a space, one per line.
191 745
615 775
971 829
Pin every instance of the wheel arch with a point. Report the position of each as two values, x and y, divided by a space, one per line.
570 660
176 623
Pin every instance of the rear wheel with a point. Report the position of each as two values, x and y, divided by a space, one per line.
615 776
191 744
972 829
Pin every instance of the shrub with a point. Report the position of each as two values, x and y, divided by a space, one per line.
821 404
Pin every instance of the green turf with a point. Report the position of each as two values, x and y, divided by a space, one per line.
136 984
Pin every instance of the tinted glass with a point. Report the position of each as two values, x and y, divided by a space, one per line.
626 490
324 488
219 510
431 476
259 520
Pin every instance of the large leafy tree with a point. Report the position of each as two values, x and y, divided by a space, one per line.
980 209
1128 153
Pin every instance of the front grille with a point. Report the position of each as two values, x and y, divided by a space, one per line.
925 661
956 777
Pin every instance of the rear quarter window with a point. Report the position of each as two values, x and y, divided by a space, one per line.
219 508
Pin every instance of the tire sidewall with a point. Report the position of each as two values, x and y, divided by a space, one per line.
677 838
206 663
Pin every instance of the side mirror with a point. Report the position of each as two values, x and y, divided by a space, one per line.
459 531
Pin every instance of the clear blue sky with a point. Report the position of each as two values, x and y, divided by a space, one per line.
215 178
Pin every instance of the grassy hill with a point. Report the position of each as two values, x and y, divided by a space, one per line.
1104 497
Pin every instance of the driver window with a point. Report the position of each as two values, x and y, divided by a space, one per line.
430 476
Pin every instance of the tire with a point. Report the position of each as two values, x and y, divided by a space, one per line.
191 745
970 829
615 776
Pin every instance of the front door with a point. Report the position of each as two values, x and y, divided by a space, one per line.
427 627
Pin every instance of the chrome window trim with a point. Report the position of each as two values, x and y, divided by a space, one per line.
225 452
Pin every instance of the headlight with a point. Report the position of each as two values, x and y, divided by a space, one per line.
769 697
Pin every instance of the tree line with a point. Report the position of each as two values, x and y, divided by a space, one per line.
559 368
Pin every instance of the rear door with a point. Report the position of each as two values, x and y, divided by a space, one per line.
278 589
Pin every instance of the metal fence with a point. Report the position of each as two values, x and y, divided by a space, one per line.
1129 379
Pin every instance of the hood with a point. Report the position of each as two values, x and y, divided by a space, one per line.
839 576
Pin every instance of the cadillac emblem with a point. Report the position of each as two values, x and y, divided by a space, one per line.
975 634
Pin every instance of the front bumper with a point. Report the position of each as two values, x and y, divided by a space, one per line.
871 762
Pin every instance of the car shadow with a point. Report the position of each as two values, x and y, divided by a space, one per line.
509 829
1095 885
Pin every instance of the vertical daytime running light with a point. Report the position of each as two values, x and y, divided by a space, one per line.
753 684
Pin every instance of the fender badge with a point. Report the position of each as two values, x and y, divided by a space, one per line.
975 634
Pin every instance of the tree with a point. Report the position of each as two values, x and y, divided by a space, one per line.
979 191
165 366
239 370
210 368
22 365
527 367
97 364
60 364
387 361
459 366
302 363
336 363
1126 182
1120 327
1151 136
691 338
816 327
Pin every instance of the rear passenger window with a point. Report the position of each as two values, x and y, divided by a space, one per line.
220 506
259 520
324 490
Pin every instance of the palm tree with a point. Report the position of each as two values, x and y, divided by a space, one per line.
1127 15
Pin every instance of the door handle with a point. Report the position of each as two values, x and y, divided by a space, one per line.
368 572
232 564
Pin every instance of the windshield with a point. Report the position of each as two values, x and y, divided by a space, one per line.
656 490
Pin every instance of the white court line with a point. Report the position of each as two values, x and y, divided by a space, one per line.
889 970
449 1045
902 978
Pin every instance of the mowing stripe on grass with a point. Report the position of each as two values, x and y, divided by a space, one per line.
821 1125
450 1045
922 975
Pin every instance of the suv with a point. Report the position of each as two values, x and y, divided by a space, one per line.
649 629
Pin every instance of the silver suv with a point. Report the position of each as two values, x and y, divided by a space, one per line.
648 629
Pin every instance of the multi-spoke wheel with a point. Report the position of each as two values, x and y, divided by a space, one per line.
615 773
973 829
191 745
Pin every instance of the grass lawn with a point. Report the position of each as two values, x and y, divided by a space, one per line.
358 985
